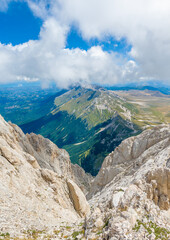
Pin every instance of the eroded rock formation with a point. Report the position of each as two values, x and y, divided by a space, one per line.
129 198
37 188
132 190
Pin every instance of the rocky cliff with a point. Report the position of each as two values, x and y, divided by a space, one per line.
82 178
40 198
37 188
131 194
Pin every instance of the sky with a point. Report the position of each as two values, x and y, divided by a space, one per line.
103 42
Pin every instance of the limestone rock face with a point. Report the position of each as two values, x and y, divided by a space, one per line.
47 154
34 177
130 155
82 178
78 198
132 189
129 198
158 188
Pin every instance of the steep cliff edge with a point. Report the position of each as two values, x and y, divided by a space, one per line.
129 198
37 188
131 193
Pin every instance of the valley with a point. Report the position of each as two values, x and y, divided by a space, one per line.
153 106
88 122
22 103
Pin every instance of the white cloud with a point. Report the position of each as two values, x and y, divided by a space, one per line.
47 59
40 7
144 23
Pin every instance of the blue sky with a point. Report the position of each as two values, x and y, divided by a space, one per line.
18 25
75 40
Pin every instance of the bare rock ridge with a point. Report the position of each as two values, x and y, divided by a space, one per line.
130 155
37 187
129 198
131 193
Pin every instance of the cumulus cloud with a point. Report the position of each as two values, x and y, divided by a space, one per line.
144 23
47 59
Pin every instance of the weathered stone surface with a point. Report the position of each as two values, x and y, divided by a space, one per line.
129 198
159 187
34 193
132 189
82 178
130 155
78 198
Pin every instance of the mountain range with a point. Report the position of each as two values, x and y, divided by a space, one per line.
89 122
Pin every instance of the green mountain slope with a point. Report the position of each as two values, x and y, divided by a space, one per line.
88 123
